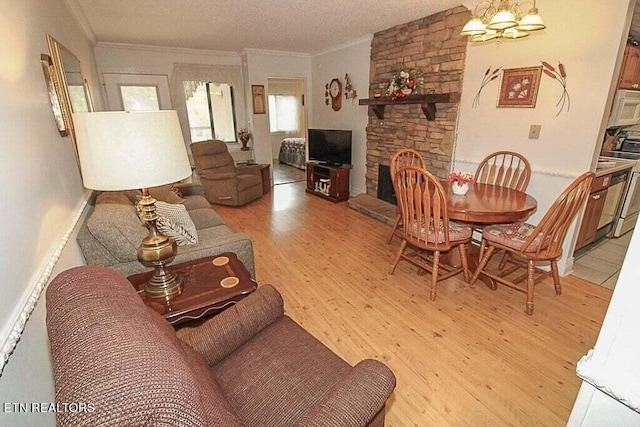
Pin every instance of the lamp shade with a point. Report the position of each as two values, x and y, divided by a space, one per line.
502 20
514 33
473 27
489 35
532 21
130 150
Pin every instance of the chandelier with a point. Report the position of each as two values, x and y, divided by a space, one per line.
500 19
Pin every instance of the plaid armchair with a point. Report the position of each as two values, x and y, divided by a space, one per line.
249 366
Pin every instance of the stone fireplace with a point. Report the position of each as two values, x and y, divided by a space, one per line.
385 185
432 46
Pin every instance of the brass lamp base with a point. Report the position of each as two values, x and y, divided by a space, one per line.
157 250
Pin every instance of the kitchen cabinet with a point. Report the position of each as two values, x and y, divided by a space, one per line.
593 211
591 218
603 204
630 72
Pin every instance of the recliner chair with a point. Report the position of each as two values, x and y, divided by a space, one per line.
224 183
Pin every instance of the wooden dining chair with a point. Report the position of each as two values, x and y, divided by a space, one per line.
532 243
402 158
426 226
505 169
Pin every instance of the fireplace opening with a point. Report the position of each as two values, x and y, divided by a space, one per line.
385 185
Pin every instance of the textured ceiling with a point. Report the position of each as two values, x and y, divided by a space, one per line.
308 26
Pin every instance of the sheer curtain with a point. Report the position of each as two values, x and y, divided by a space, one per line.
194 75
285 106
283 113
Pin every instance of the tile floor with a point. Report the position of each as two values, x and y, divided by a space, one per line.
601 264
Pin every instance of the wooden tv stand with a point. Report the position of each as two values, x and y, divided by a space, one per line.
330 182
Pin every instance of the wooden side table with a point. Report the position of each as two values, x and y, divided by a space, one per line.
266 178
210 285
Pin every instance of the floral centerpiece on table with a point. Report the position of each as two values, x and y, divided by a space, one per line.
460 182
461 178
403 84
244 135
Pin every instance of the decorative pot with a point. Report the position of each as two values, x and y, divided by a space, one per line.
459 189
244 142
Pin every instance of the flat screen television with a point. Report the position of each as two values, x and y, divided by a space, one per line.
329 146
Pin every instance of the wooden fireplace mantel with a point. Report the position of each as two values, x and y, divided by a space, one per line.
427 103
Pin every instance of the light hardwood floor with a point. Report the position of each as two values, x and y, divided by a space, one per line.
286 174
472 357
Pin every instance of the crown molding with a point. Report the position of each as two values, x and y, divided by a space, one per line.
166 49
275 53
345 45
80 17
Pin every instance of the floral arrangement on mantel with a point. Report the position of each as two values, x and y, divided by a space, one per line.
404 84
244 135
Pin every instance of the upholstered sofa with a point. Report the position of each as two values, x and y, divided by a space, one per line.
251 365
112 231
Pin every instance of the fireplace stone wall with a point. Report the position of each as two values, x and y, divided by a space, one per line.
432 46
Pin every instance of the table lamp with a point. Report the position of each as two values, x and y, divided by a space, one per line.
136 150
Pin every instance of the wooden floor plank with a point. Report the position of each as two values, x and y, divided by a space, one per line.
472 357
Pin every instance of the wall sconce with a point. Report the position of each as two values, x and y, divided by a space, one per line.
501 19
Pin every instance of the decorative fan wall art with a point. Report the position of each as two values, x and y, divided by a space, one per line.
519 87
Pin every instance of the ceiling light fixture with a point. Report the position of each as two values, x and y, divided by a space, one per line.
501 19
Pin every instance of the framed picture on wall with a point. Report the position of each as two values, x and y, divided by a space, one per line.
519 87
257 93
52 88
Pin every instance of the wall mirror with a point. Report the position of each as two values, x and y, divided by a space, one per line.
71 87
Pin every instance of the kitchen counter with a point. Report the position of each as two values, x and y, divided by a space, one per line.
608 165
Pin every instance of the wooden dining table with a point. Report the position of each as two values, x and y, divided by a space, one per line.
489 204
486 204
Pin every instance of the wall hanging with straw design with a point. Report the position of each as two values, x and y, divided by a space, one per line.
489 76
559 75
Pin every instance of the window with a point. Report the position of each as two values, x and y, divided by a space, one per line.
78 98
283 113
210 111
139 98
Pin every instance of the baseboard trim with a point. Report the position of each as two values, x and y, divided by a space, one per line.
10 341
565 266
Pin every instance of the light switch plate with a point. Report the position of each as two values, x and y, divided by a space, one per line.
534 131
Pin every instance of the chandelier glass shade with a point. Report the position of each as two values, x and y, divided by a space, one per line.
498 19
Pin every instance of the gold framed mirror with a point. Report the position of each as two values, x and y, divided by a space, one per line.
70 85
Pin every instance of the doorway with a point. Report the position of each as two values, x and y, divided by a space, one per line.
601 261
287 128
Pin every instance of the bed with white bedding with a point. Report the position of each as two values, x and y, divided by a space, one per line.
293 152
